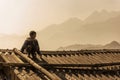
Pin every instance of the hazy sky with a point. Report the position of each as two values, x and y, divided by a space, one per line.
20 16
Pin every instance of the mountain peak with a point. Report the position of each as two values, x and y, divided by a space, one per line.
95 12
113 44
100 16
72 21
102 12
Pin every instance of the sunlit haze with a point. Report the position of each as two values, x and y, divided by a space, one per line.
21 16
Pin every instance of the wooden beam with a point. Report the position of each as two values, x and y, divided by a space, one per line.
62 65
35 65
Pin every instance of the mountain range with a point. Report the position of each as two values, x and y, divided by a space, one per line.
98 28
92 30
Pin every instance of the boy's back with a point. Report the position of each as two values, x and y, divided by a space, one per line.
31 45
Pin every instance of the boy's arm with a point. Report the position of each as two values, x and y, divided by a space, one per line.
24 46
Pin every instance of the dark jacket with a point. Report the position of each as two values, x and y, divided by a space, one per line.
31 46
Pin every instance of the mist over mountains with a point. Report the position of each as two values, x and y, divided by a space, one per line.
98 28
93 30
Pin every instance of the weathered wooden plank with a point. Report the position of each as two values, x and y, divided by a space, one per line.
36 65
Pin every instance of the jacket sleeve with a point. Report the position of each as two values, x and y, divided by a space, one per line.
24 46
38 47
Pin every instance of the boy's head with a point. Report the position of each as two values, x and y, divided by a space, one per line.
32 34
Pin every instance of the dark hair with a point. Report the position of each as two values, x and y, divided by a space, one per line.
32 33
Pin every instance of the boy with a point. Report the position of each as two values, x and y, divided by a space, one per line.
31 45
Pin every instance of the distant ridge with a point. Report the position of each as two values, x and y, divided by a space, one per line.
112 45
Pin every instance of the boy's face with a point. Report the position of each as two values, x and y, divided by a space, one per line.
33 36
